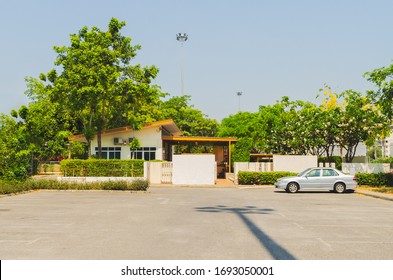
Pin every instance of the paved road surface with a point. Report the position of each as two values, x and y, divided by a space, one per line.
195 223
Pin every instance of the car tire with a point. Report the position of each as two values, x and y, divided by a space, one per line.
292 187
339 188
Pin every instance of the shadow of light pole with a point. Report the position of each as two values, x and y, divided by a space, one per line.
275 250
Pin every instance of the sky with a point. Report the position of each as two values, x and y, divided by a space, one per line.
264 49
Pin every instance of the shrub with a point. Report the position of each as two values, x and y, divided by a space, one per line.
9 187
102 167
139 185
261 178
376 180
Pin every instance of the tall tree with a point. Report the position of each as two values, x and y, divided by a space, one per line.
97 83
360 120
15 156
190 120
382 78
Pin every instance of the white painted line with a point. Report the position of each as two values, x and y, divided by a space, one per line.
324 243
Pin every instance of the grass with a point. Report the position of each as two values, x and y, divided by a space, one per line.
382 189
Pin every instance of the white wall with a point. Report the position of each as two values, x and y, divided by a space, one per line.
148 137
352 168
194 169
293 163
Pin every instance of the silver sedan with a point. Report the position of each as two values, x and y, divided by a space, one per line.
318 179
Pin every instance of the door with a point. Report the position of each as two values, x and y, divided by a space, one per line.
312 179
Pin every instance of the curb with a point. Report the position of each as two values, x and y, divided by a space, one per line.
375 194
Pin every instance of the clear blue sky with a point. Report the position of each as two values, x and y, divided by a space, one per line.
266 49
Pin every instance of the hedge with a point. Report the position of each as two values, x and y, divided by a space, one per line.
375 180
9 187
102 167
261 178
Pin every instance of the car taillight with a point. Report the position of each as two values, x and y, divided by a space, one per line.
354 178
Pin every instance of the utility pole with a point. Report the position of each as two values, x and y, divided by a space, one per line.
239 93
182 37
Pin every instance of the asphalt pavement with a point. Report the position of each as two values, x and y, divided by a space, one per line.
168 222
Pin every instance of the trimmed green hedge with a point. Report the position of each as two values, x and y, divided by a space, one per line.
375 180
102 167
261 178
9 187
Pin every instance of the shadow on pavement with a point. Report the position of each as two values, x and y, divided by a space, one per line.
275 250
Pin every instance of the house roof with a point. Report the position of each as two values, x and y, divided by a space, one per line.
168 125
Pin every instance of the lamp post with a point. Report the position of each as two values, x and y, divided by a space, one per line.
239 93
181 37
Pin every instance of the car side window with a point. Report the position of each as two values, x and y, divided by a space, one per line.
314 173
329 172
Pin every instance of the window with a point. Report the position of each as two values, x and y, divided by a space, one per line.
109 152
314 173
329 172
146 153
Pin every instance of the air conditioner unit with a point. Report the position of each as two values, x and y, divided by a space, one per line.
117 141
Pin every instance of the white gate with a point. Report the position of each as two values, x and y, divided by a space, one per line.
166 173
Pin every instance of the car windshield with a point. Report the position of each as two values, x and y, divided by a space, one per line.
303 172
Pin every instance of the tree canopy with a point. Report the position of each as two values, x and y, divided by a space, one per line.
298 127
97 84
383 95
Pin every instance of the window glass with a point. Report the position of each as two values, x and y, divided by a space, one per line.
145 153
314 173
109 152
329 172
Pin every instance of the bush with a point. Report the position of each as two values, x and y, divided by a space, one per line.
140 185
375 180
9 187
102 167
261 178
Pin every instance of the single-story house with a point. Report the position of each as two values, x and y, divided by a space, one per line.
156 143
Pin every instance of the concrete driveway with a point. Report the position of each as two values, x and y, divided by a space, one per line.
195 223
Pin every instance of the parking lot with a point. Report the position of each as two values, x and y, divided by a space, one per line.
195 223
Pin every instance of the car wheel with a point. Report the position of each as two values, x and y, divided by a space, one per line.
339 188
292 187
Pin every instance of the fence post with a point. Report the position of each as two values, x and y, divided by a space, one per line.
146 170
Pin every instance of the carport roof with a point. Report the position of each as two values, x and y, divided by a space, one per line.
216 141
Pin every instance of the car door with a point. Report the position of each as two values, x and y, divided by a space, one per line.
312 179
329 177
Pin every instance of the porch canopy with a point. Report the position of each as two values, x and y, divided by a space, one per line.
204 141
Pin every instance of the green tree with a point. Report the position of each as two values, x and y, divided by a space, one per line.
15 156
47 125
190 120
383 95
242 149
360 120
97 85
240 125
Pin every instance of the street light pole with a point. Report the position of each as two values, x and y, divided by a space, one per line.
182 37
239 93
